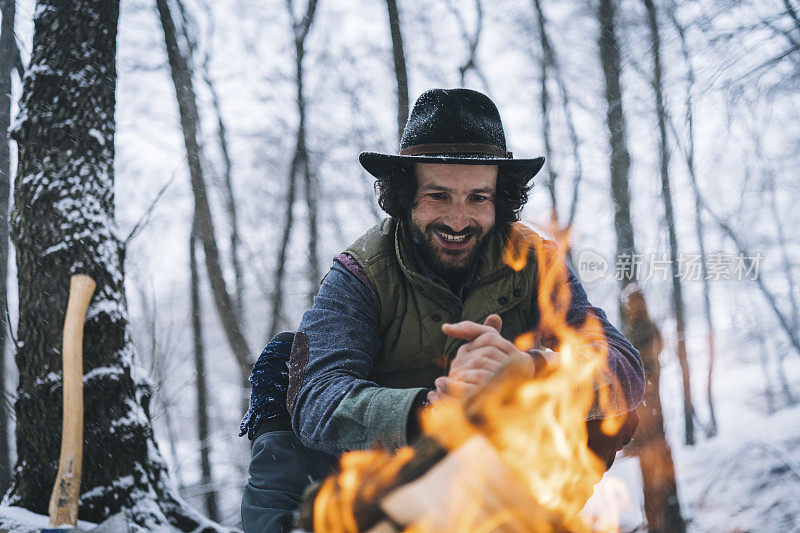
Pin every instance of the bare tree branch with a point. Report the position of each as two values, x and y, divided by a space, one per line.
144 220
399 66
189 117
792 13
688 151
299 162
786 324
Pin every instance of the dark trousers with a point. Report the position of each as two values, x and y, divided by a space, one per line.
280 470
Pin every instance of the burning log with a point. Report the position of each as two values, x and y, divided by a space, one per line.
470 489
366 511
456 481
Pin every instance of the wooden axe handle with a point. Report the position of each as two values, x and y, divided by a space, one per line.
66 490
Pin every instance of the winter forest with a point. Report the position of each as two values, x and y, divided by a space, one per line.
199 159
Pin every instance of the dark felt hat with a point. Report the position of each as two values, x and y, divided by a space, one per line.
455 126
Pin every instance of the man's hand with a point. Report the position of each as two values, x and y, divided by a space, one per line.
477 360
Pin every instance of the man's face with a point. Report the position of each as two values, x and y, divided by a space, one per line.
453 211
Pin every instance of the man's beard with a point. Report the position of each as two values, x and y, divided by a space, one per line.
451 265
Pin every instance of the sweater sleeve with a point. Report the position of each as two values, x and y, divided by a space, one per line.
624 373
334 406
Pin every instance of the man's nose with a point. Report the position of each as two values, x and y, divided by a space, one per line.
456 218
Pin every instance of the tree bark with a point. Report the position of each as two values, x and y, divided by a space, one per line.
769 390
309 179
299 162
230 196
206 477
189 117
545 109
662 508
666 192
224 146
711 429
399 66
8 49
63 224
551 64
280 271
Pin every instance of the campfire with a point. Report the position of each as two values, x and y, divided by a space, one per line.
513 457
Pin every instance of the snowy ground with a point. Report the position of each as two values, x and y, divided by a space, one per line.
747 478
21 520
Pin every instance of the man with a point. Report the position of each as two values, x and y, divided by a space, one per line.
423 304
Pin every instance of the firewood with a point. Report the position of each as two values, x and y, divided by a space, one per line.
427 452
469 490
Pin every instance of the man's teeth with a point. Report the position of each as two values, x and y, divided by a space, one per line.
452 238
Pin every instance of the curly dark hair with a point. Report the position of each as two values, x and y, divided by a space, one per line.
396 196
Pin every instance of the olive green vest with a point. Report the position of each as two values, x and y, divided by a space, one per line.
414 351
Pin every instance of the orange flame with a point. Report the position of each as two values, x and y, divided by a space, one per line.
534 424
526 341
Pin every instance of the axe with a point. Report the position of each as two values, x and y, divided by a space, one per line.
63 508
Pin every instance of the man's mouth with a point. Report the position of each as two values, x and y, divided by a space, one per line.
452 241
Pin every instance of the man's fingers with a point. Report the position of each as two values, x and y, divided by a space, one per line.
466 330
433 396
473 376
493 339
449 387
487 357
494 321
456 388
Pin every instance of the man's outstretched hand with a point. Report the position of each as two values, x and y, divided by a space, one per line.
477 360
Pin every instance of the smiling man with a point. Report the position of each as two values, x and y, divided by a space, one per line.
422 305
453 211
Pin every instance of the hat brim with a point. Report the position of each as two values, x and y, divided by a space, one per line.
389 165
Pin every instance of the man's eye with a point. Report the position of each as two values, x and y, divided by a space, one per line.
437 196
479 198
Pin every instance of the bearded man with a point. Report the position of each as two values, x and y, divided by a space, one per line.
421 306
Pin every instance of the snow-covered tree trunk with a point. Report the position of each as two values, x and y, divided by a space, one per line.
62 224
